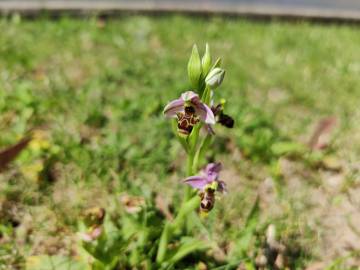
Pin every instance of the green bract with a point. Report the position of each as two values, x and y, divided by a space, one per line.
206 61
194 68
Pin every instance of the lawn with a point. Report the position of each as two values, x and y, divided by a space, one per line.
94 92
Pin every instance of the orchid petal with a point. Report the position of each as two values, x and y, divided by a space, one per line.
189 96
198 182
209 129
212 171
213 168
204 112
174 107
222 187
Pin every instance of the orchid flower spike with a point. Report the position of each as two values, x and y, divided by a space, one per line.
189 110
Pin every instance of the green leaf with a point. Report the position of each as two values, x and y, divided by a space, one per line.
194 68
244 240
188 245
253 216
186 209
45 262
163 244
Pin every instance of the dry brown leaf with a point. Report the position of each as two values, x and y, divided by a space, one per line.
320 137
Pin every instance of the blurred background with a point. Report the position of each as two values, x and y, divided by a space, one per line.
330 9
91 88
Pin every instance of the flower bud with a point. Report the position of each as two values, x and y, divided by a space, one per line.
206 61
194 68
215 77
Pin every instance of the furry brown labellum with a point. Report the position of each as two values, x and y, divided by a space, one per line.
187 120
222 118
207 200
226 120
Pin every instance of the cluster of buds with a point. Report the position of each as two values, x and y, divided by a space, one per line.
195 108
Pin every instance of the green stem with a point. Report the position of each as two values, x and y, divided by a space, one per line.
189 172
172 228
189 163
199 155
206 96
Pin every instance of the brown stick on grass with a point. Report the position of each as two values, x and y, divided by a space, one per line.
8 154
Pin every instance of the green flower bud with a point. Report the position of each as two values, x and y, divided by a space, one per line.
206 61
215 77
194 67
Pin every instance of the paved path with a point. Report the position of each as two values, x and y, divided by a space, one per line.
338 9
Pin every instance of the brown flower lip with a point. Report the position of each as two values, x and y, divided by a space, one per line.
187 120
207 200
222 118
226 120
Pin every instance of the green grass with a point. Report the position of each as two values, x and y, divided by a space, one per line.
99 87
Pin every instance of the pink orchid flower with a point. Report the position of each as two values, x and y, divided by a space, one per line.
206 177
